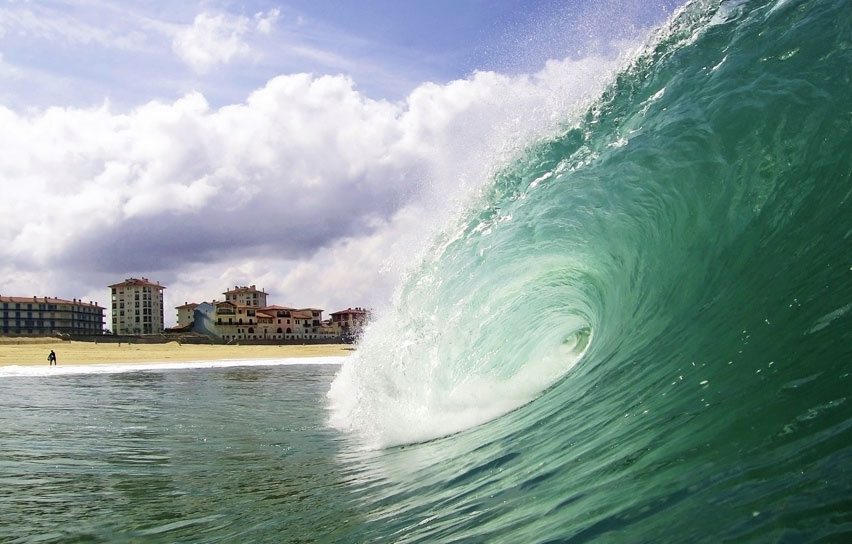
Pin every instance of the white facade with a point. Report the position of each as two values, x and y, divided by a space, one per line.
246 296
234 322
245 315
185 314
137 307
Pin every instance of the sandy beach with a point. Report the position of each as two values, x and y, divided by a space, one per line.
33 351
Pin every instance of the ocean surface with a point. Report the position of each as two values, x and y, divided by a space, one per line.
217 454
640 330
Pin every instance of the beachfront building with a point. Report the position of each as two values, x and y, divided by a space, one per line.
311 320
246 296
137 307
277 322
349 322
42 316
186 314
235 322
246 315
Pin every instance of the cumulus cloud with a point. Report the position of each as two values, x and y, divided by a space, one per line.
219 38
308 188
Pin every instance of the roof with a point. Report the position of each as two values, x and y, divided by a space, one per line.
350 311
47 300
250 289
274 307
129 282
261 314
302 314
187 305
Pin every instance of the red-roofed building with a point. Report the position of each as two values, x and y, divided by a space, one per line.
246 296
349 322
234 322
245 315
137 306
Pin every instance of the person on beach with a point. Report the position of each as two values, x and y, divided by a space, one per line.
51 359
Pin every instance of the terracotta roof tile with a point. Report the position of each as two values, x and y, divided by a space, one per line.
138 282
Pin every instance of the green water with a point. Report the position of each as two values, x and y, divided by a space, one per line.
641 331
648 315
212 455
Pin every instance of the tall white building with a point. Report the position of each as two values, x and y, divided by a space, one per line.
137 307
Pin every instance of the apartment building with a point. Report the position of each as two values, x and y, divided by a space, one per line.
249 296
186 313
246 315
137 307
350 321
238 322
38 316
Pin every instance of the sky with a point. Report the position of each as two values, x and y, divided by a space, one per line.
309 147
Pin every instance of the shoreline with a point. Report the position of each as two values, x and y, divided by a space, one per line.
33 352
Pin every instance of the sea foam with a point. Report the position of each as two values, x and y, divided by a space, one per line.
117 368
